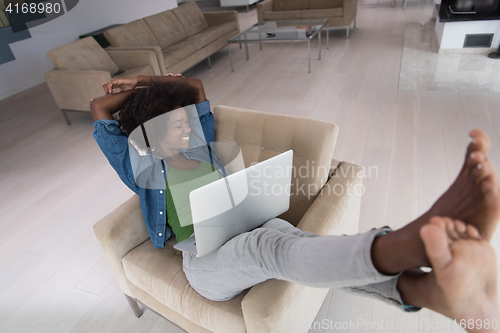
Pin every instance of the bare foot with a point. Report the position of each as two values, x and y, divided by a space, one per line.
474 197
463 281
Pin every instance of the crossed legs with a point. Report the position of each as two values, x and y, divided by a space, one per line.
462 284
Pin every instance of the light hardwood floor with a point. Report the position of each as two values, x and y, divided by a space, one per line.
55 183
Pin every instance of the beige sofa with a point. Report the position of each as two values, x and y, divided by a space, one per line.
154 277
81 67
181 37
338 12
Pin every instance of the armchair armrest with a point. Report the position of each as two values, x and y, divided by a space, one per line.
336 209
214 18
264 6
129 59
267 306
156 49
120 232
73 89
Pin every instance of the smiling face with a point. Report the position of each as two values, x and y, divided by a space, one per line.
177 131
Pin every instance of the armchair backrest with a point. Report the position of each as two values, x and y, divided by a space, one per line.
263 135
83 54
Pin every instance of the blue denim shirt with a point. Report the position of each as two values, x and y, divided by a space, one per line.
114 144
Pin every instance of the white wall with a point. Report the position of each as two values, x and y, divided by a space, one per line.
88 15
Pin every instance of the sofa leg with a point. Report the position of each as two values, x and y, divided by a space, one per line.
135 307
354 23
65 117
209 63
347 32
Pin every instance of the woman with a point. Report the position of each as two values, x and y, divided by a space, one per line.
380 263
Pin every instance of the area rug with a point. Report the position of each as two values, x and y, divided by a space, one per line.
423 68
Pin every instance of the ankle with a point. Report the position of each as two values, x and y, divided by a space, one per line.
409 288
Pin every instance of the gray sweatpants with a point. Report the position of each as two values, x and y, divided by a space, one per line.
279 250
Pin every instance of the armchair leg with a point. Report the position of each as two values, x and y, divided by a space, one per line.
209 63
65 117
135 307
355 21
347 32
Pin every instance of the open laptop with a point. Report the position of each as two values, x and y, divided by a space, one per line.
238 203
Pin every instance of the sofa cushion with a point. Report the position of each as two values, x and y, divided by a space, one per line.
321 13
191 18
211 34
166 28
175 53
133 34
281 5
321 4
159 273
83 54
282 15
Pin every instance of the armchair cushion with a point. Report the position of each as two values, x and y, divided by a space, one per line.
166 28
83 54
136 33
159 273
191 18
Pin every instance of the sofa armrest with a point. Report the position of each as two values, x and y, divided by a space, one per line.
214 18
264 6
268 307
120 232
73 89
350 11
129 59
156 49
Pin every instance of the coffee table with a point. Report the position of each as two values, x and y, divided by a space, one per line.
281 32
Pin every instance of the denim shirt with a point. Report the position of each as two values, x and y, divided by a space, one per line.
114 144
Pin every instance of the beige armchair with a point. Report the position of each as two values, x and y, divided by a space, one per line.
154 277
338 12
81 67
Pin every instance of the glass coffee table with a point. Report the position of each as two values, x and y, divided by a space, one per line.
281 32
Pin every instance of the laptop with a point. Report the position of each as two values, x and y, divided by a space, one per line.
238 203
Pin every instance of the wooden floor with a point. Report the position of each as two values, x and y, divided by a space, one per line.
55 183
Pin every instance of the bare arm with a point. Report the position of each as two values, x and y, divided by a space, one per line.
103 107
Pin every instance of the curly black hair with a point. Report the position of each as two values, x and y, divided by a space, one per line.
157 99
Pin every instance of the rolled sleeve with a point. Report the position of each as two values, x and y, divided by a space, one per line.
114 144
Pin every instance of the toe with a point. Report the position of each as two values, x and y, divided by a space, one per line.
436 245
450 228
461 228
472 232
480 141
